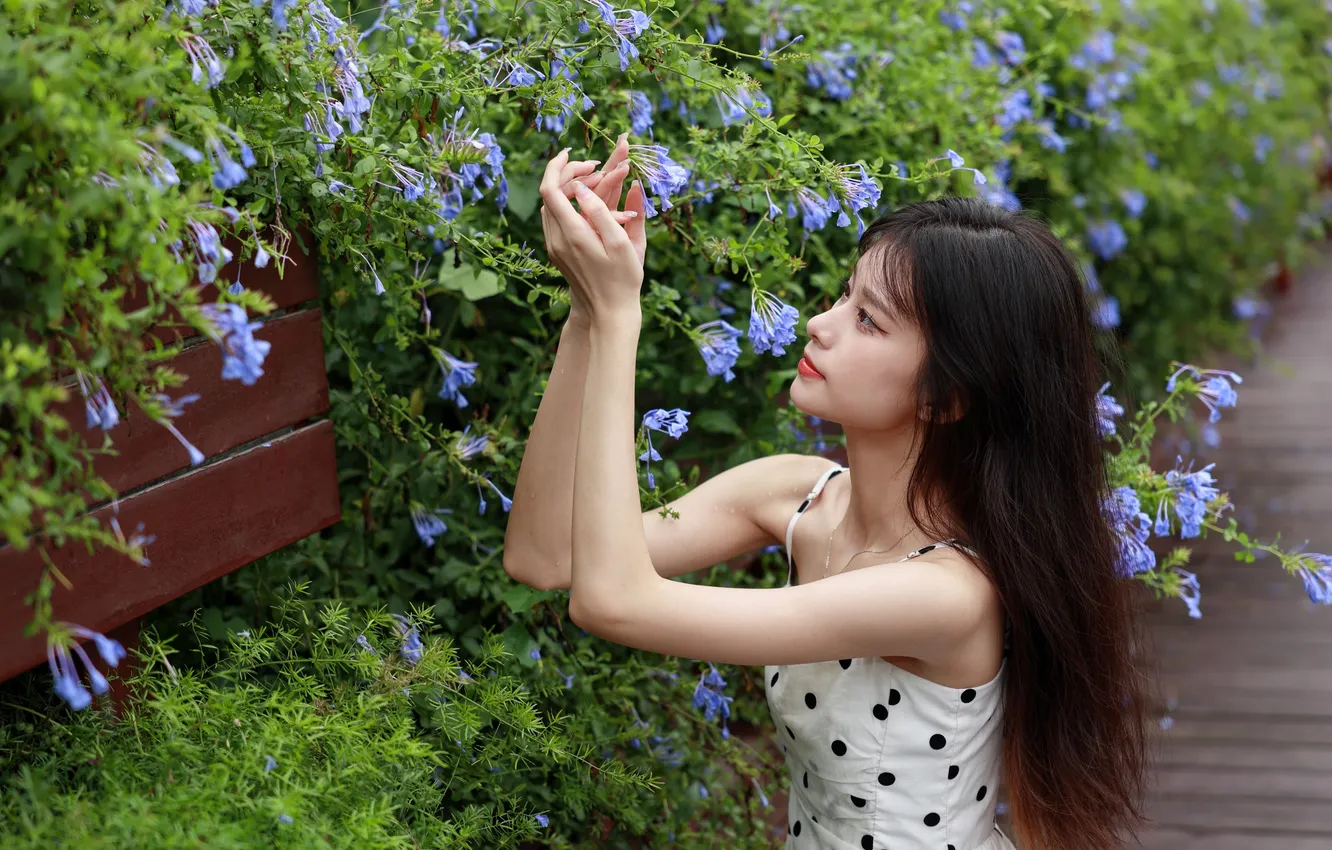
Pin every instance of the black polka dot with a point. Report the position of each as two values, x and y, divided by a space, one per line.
952 771
937 742
887 778
811 700
795 830
932 819
838 748
789 732
858 802
969 694
880 712
805 779
774 680
980 795
867 841
814 818
846 663
894 697
951 847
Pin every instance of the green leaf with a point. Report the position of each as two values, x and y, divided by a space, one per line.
365 165
474 284
520 598
524 192
717 422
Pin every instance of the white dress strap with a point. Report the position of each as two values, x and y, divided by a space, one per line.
812 495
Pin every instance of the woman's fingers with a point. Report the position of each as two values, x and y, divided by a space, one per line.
636 227
577 168
611 185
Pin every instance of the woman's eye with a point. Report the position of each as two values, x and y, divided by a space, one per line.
865 319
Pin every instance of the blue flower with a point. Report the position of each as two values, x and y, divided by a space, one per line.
505 502
717 344
469 447
411 640
1316 572
1238 209
834 72
242 354
714 32
457 374
99 409
712 701
1189 592
1132 528
65 672
640 113
1049 138
1215 391
1105 312
670 422
662 175
1106 237
772 323
1194 491
1107 410
269 763
205 67
815 211
427 523
1011 45
542 819
534 653
172 410
1134 201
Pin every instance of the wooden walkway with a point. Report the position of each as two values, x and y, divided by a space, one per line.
1246 760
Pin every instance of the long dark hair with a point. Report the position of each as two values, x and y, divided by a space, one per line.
1018 470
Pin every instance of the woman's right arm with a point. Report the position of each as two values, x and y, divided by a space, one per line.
719 519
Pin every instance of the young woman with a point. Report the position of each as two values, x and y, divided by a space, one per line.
952 603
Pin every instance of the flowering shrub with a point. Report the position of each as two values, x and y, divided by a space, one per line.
409 140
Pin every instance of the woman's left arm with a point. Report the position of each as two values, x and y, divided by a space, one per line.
603 261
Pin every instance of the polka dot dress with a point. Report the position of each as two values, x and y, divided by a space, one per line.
882 758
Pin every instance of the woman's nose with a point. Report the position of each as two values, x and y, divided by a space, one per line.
817 328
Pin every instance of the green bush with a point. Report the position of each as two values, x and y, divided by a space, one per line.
1179 161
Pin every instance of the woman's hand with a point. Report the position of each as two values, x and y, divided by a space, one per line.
600 258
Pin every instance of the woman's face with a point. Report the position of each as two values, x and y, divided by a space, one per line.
864 357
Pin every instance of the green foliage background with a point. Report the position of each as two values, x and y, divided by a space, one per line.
374 751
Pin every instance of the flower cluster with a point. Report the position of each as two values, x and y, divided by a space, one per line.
707 696
242 354
66 673
673 423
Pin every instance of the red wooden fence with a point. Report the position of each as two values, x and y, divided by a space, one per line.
270 477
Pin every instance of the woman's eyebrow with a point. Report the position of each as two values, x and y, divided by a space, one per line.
875 299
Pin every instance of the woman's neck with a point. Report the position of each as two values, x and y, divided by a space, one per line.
876 516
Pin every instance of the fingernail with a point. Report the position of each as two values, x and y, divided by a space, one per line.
566 150
580 188
594 162
631 213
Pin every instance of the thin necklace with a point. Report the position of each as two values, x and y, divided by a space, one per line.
828 553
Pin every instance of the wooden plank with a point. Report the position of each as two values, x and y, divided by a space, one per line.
1244 755
1254 729
298 284
1177 839
1240 814
293 388
1258 783
208 521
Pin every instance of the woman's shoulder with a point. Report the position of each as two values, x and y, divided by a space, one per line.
787 479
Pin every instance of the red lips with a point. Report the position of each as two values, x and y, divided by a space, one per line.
806 368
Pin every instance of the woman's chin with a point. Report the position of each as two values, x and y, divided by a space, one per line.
802 398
